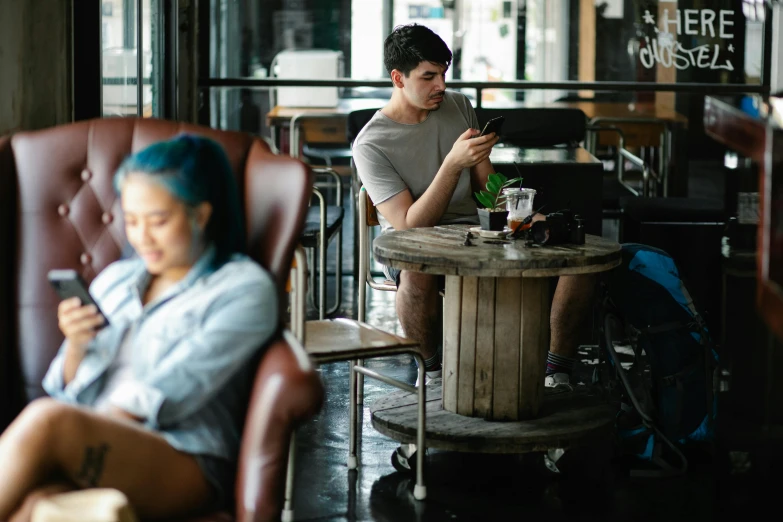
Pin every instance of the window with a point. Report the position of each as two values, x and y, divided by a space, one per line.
120 59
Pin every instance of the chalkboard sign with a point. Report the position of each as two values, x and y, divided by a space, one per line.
674 30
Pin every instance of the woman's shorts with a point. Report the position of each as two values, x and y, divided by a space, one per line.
393 274
221 474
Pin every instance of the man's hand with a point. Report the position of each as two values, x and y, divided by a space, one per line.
468 151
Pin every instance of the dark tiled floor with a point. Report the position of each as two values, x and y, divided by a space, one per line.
462 486
465 486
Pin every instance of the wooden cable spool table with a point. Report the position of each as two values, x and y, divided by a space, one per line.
496 336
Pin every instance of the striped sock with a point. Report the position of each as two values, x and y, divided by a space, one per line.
559 364
433 363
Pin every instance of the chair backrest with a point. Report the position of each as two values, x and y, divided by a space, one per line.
538 127
356 122
372 212
58 210
354 125
367 217
331 129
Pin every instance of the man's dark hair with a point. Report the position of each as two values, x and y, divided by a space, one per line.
409 45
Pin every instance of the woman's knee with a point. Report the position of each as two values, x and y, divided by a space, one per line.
46 420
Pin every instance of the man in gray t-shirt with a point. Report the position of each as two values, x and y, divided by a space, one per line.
420 159
394 157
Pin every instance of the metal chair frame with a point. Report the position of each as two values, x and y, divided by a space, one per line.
323 245
367 217
357 371
648 173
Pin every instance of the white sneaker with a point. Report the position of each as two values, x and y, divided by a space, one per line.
557 380
429 376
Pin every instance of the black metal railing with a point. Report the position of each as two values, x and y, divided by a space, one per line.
697 88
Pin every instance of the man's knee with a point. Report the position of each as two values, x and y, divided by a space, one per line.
580 285
416 283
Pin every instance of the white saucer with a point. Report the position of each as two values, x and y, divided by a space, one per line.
493 234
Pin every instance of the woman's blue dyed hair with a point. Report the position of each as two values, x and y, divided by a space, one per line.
195 169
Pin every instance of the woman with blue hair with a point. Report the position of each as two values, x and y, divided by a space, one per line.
150 399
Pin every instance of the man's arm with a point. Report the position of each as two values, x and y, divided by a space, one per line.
479 175
404 213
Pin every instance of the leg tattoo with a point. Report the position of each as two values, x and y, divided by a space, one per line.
92 465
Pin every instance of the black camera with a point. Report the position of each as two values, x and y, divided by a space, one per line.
559 227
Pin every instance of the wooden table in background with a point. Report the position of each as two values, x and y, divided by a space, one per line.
496 318
644 125
328 130
626 110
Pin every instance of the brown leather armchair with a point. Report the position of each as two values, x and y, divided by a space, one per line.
58 210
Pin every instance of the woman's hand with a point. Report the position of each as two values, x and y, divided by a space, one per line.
78 323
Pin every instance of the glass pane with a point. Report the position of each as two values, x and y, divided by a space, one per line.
719 41
644 41
119 63
118 23
151 38
240 109
247 36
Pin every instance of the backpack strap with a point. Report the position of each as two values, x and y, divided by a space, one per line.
696 325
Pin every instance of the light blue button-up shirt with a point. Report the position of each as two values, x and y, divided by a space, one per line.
192 350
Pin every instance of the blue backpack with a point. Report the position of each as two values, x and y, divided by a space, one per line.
666 388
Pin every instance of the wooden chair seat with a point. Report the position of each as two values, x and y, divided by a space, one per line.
355 341
346 339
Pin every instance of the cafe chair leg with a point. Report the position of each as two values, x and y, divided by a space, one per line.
322 271
420 490
353 461
338 270
288 507
360 385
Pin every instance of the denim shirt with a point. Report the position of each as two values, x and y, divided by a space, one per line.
191 350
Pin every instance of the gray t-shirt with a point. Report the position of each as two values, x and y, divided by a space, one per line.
391 157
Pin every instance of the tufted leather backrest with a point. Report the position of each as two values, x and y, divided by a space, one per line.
58 210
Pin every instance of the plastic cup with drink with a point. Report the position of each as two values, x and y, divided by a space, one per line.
519 203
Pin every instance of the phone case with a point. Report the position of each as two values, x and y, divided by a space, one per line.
493 125
68 283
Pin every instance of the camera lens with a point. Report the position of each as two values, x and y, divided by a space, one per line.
541 232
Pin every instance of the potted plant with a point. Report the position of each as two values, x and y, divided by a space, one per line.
494 215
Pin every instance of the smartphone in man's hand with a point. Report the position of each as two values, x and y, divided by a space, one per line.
493 125
68 283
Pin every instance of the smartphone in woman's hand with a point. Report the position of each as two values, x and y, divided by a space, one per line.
68 283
